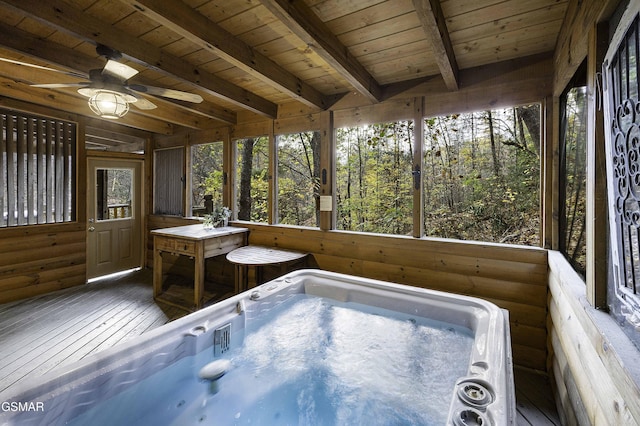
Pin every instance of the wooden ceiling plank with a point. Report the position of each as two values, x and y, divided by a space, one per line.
435 28
378 14
462 34
329 10
66 18
183 20
306 25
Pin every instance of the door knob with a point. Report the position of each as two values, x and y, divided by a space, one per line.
91 229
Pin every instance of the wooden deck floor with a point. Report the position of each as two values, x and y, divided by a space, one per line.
45 332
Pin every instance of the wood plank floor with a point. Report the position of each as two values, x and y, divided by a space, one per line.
48 331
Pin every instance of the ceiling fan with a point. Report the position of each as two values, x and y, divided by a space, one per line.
109 90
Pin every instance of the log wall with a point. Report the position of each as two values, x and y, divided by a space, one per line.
513 277
593 384
41 258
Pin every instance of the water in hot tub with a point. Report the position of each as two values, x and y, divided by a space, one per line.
310 361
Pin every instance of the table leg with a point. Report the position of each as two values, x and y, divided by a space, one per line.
157 273
241 278
259 274
198 278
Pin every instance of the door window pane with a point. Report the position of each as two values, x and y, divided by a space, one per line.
114 192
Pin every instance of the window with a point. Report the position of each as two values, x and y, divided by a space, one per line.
114 190
252 179
481 176
298 179
573 179
207 176
374 180
169 180
622 130
37 170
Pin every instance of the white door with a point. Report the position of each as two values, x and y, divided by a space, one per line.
114 212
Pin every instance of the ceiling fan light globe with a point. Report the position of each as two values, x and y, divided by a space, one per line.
108 104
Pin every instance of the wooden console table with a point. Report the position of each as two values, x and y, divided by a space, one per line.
259 256
197 242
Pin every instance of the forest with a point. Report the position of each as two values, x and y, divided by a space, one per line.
479 175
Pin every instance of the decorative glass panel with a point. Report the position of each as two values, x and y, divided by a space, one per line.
622 116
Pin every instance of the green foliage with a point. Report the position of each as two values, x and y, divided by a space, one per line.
480 174
374 180
252 179
298 178
573 177
206 175
481 177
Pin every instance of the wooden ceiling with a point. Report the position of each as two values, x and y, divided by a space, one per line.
256 55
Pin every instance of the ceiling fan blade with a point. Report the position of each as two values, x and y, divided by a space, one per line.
142 103
59 85
40 67
118 70
166 93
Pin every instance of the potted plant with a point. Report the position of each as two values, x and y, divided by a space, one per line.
218 217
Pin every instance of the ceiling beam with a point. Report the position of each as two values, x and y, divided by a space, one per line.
64 17
112 126
303 22
195 27
110 135
435 28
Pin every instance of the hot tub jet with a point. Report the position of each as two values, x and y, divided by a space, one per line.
214 371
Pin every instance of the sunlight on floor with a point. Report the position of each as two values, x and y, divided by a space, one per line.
114 275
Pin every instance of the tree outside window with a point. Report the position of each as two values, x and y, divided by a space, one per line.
374 181
298 179
206 176
481 176
252 179
573 177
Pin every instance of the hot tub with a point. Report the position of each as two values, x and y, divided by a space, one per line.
311 347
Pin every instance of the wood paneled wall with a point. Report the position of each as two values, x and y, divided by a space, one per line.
41 258
593 385
512 277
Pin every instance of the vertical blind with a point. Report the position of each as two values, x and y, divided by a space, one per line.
169 181
37 170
